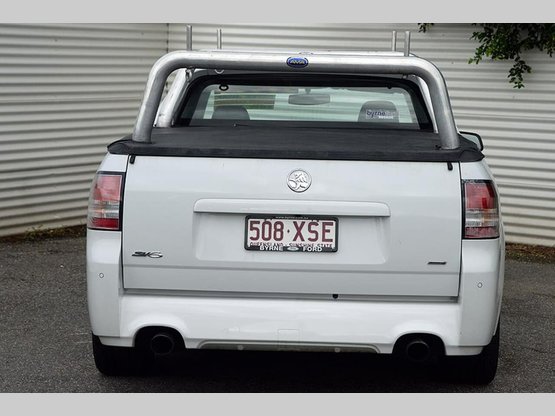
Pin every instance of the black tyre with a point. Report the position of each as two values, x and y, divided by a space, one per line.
117 361
476 369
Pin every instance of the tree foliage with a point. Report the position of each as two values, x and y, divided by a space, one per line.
507 41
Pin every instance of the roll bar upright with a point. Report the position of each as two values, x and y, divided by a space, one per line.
317 62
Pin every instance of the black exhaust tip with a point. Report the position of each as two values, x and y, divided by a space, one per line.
162 343
418 350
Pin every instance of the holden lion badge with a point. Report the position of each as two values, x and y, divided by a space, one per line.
299 180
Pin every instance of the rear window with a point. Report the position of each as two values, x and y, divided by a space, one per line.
310 101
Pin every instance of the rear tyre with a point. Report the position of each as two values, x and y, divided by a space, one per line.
476 369
117 361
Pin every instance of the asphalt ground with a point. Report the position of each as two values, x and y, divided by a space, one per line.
45 343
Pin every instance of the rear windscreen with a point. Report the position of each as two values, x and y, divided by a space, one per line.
310 101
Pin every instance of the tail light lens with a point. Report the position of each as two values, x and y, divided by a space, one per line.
481 209
105 202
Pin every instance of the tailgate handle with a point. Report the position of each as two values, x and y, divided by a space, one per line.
292 207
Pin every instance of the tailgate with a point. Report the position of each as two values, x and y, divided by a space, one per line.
395 226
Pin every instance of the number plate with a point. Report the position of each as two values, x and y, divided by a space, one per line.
291 234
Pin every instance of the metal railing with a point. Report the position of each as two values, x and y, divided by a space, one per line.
318 62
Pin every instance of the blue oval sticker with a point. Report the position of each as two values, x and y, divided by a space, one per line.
297 62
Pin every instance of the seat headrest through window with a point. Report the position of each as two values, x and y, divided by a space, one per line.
230 112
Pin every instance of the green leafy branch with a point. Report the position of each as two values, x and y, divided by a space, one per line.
507 41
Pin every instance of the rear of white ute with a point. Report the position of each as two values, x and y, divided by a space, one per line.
335 252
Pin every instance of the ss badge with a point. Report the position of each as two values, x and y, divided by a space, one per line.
151 254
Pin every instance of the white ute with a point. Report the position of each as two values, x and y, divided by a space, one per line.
318 201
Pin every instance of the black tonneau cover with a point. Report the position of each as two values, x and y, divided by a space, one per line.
297 143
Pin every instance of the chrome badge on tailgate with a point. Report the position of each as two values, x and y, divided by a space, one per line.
299 180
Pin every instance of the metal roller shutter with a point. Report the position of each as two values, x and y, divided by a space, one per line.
66 91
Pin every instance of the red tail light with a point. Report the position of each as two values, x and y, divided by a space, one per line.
481 209
105 202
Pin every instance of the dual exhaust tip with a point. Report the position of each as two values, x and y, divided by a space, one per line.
417 349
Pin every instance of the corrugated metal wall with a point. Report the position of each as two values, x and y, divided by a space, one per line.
66 91
517 126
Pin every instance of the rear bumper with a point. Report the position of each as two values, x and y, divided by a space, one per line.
244 323
465 324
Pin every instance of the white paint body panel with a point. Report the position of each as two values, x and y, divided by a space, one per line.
369 315
393 219
464 324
